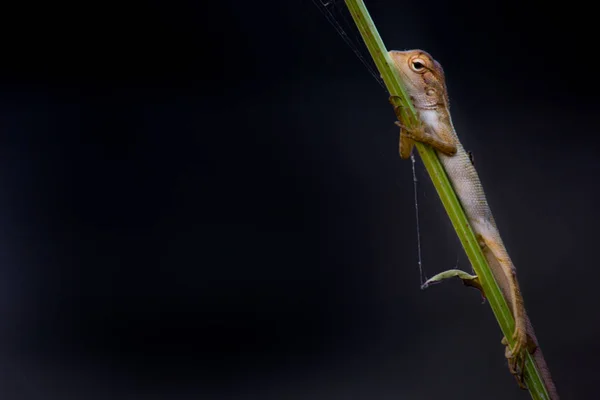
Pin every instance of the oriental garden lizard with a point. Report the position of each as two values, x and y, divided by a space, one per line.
424 81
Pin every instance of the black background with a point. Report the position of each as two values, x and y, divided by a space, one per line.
206 201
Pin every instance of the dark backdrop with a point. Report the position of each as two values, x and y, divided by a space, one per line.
204 200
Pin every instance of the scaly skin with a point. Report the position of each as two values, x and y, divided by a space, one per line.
425 83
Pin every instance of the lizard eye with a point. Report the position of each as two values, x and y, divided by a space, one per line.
417 65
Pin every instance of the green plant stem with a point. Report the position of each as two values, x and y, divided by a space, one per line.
438 176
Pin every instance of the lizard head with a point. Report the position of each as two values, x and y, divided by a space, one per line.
423 78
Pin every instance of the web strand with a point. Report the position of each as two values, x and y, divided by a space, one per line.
422 276
323 7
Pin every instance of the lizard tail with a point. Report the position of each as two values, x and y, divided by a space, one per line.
540 362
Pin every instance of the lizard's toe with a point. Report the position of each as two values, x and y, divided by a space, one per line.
520 337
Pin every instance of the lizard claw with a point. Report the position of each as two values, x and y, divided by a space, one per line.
398 123
517 355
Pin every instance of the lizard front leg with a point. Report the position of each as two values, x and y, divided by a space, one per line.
405 144
424 134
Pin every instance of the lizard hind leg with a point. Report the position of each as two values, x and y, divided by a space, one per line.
504 273
518 311
516 365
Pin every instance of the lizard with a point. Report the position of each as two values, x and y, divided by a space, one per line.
425 84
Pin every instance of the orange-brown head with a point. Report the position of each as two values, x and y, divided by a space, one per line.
423 78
